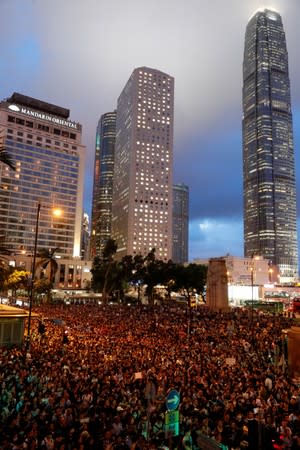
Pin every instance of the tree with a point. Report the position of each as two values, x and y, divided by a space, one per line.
153 274
5 158
47 259
190 279
42 287
5 271
105 270
18 279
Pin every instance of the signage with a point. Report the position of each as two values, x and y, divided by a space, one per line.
172 423
14 108
172 400
43 116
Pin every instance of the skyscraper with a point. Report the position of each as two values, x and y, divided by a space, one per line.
268 155
180 223
49 157
103 182
142 195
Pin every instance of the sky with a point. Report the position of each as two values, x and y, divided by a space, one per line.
79 54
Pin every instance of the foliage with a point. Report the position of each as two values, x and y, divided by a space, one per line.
43 287
105 271
18 279
47 259
190 279
110 276
5 158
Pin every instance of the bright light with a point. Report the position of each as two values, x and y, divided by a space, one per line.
57 212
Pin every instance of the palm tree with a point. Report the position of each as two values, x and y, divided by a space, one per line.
5 158
47 259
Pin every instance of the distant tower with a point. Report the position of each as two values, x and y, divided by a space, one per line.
142 195
85 237
270 227
180 223
103 182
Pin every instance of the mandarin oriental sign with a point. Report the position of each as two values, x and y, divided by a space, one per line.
43 116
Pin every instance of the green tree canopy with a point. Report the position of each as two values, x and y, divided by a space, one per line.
18 279
190 279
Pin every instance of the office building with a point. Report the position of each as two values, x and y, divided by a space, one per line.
142 194
270 226
49 157
103 182
180 223
85 237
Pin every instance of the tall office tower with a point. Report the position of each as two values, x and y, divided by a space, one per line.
49 157
103 182
268 155
142 195
85 236
180 223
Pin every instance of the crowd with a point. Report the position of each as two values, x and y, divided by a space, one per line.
97 377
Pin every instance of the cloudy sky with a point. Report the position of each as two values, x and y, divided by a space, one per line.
79 54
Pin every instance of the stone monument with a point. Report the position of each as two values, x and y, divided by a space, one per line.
293 335
217 285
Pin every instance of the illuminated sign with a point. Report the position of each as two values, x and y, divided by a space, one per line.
14 108
43 116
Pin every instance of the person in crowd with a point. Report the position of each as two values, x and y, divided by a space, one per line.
99 376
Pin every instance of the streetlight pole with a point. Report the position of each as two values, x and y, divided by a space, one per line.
33 273
252 297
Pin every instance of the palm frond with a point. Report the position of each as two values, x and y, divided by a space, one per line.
5 158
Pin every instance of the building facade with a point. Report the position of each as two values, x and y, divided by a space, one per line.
270 227
71 273
49 158
103 182
142 194
180 223
85 236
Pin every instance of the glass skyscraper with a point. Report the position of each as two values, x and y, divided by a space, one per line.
49 157
180 223
270 226
103 182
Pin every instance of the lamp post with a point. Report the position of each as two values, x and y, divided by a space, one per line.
252 299
33 274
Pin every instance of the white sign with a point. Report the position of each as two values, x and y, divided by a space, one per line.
43 116
14 108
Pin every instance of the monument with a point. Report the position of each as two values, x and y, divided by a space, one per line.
293 335
217 285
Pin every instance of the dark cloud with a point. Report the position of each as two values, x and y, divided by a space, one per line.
79 54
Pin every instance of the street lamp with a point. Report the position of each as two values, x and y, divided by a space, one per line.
33 273
56 212
252 297
252 294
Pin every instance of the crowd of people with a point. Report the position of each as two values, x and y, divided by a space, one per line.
97 377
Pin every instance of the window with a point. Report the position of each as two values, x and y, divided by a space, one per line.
43 127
